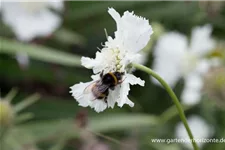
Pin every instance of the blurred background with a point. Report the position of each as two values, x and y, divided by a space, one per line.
37 69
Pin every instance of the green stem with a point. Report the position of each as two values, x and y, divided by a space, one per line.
174 98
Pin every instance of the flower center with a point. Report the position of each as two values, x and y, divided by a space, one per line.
118 59
33 7
189 63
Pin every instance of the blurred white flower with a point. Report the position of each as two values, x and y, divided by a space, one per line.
200 129
133 33
31 19
175 59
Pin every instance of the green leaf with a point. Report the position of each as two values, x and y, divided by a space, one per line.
54 129
115 122
39 52
69 37
101 123
11 94
23 117
25 103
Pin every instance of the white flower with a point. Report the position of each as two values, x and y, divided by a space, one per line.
132 35
200 129
175 59
31 19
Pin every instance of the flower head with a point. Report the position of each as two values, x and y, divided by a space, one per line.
175 58
31 19
132 35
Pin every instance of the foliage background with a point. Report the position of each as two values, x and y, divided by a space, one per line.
51 74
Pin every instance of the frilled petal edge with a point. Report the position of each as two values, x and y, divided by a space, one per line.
133 32
87 99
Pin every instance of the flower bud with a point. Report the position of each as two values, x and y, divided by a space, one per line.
6 113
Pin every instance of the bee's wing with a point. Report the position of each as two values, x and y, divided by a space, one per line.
89 88
87 93
96 87
100 87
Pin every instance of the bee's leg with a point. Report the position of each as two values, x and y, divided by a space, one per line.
121 81
101 74
106 96
105 99
112 88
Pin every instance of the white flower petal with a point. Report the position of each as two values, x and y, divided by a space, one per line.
168 54
98 105
194 81
131 79
88 62
123 93
28 25
104 60
112 97
191 94
87 99
124 89
133 32
56 4
130 103
96 77
78 93
23 59
115 15
203 66
199 128
201 41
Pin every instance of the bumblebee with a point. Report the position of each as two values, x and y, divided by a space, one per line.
100 88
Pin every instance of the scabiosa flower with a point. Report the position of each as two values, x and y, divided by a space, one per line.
30 19
200 129
132 35
175 58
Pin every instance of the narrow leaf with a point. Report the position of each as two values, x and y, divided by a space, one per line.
25 103
11 94
39 52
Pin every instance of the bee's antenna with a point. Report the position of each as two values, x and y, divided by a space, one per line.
106 33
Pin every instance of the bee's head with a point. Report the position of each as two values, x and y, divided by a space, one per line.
118 75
